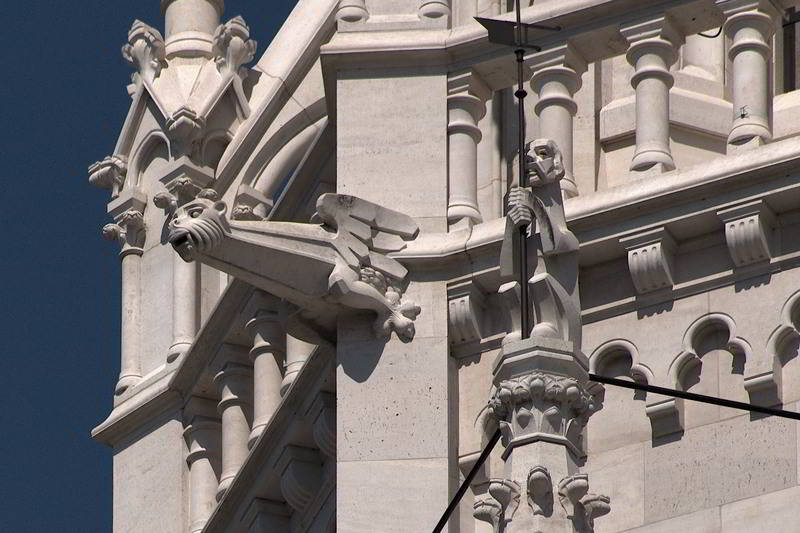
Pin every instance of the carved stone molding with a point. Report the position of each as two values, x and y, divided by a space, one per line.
499 506
651 259
109 173
749 232
433 10
144 50
233 46
465 306
185 126
184 182
128 228
301 475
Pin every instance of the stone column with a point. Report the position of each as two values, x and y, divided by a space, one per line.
542 405
297 353
190 25
467 95
653 48
203 438
235 384
750 25
129 230
556 79
268 352
184 181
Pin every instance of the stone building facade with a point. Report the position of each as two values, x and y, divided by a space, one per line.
359 168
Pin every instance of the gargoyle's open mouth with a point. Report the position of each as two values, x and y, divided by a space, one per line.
181 240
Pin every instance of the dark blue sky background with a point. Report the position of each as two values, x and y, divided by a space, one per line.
62 107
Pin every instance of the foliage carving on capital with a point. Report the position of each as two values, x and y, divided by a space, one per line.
109 173
145 50
233 46
541 406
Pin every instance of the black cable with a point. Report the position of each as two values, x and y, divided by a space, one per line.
719 31
467 482
695 397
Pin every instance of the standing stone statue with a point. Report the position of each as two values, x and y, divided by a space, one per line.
540 398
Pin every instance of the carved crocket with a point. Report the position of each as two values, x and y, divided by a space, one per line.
320 267
554 285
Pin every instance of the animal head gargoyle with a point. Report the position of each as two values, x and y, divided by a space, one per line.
198 226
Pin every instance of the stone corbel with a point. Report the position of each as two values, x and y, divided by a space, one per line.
499 507
184 182
749 232
301 476
128 228
185 127
323 414
248 200
651 259
466 305
665 414
581 506
144 51
109 173
233 47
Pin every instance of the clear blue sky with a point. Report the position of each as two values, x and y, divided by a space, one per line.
63 104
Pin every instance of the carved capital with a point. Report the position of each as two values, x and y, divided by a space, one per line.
145 50
542 406
749 232
109 173
128 228
233 46
651 259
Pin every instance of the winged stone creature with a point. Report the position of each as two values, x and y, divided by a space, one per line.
338 261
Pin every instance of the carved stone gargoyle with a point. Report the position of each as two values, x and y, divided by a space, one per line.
322 268
553 257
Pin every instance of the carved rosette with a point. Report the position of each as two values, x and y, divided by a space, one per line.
542 406
109 173
145 50
233 46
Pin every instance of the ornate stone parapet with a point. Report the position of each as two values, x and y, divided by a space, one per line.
750 25
651 259
466 106
556 79
653 48
749 232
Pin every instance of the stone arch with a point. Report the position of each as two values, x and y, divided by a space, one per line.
783 346
618 358
141 154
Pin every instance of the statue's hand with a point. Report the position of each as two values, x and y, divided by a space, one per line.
520 206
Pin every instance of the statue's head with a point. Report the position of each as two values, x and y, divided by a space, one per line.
544 162
198 227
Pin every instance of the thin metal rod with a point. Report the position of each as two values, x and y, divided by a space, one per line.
467 482
695 397
523 182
